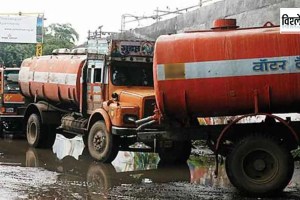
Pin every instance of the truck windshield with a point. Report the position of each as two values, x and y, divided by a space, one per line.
132 74
11 81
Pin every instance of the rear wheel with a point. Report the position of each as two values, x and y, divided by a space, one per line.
259 166
36 133
103 146
179 152
33 131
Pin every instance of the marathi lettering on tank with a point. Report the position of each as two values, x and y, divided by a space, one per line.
266 65
297 61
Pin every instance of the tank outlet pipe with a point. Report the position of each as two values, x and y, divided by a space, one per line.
144 120
145 124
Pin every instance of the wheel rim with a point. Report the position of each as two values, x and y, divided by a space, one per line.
32 132
260 166
99 141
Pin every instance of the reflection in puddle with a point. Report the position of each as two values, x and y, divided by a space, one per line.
202 172
68 172
132 161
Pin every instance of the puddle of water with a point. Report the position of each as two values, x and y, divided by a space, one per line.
67 172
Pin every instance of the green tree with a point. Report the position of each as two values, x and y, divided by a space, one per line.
13 54
59 36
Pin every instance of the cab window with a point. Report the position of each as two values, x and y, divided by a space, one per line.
132 74
11 81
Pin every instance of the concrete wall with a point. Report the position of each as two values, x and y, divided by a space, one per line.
249 13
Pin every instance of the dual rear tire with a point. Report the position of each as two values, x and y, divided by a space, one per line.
37 134
259 166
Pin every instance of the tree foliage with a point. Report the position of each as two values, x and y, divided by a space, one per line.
59 36
55 36
13 54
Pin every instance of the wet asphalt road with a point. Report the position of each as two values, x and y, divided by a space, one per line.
67 172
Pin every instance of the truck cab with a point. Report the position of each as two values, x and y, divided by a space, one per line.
126 89
119 87
11 100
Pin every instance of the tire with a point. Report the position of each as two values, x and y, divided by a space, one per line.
103 146
177 154
37 135
259 166
33 131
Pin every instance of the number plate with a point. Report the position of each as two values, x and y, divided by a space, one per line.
9 110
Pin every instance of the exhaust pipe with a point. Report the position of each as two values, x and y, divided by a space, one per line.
145 124
144 120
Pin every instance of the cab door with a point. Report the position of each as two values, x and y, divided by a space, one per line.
95 84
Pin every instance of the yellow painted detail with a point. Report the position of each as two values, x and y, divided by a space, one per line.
7 97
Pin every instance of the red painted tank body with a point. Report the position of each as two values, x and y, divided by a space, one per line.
227 72
52 78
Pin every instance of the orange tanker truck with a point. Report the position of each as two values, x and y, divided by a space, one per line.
108 97
98 95
235 72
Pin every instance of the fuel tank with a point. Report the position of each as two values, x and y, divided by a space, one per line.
53 78
226 72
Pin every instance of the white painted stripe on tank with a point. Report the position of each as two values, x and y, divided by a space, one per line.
229 68
62 78
41 77
47 77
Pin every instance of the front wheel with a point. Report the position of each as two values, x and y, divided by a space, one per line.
259 166
103 146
